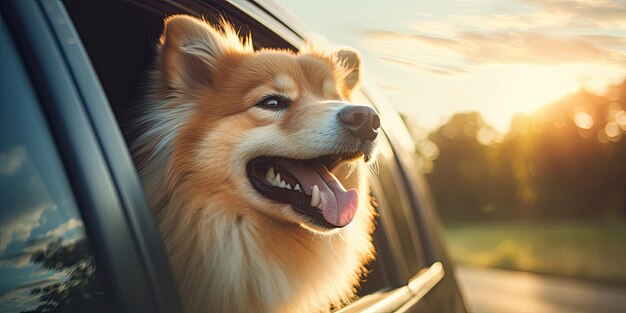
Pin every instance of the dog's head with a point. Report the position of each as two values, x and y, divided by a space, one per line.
260 131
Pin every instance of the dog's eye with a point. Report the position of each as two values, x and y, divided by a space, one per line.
274 102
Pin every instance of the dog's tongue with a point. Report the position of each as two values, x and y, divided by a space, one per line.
338 205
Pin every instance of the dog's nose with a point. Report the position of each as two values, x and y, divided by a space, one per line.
361 121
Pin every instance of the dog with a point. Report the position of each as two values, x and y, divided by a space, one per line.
244 157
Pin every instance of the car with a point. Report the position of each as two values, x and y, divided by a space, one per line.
76 231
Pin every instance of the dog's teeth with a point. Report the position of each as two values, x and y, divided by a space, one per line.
288 186
276 181
297 187
270 174
315 196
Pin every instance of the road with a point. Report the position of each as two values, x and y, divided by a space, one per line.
501 291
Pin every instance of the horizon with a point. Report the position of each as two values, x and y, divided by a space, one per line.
498 58
529 114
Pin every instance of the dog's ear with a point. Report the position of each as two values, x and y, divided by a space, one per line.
351 61
191 50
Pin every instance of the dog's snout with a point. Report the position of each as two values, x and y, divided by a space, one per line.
361 121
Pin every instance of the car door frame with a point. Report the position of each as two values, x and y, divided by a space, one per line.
104 182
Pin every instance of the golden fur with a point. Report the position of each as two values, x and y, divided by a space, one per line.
230 248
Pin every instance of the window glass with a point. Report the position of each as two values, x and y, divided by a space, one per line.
45 259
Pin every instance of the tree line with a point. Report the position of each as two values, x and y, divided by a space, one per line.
565 161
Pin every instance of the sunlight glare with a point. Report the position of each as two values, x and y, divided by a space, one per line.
524 89
583 120
612 130
500 91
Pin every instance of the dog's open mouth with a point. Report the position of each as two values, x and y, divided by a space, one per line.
308 185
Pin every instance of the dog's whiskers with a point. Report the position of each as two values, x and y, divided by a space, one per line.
375 167
340 236
330 242
315 235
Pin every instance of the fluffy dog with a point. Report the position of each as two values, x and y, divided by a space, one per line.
238 154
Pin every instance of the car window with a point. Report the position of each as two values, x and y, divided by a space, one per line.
46 263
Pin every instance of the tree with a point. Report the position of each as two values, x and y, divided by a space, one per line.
565 161
83 291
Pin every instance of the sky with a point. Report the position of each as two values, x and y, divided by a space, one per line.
36 202
434 58
36 209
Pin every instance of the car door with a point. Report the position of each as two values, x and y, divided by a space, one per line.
85 172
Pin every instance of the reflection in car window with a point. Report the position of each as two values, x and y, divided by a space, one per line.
45 260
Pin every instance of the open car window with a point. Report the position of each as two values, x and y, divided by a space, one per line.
122 54
122 51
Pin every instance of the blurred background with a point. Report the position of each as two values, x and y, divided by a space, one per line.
518 111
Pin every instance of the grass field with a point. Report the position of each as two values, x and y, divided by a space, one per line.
580 250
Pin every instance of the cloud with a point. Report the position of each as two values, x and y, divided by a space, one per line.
19 298
585 12
50 236
11 161
535 32
426 39
533 48
22 259
414 64
17 260
24 199
72 223
512 47
607 41
537 15
18 227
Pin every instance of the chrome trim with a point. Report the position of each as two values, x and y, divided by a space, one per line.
422 283
392 302
403 298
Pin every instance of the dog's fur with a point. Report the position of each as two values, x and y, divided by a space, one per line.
230 248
